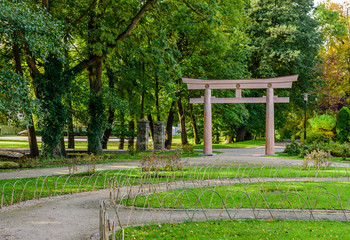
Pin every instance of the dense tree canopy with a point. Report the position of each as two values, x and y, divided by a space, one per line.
105 64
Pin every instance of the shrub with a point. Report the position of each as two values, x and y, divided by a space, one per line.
343 124
318 137
293 149
83 159
188 149
8 165
323 123
319 158
156 162
27 162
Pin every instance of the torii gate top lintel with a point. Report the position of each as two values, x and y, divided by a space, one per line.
264 83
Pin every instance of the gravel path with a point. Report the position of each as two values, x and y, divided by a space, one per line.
76 216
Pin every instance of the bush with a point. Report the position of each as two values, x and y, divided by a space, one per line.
156 162
27 162
319 158
323 123
188 149
293 149
8 165
318 137
343 124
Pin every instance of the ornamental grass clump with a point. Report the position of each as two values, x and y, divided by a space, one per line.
156 162
318 158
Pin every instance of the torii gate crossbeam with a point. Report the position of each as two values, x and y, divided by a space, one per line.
266 83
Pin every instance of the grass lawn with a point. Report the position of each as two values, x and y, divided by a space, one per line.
242 229
285 155
245 144
274 195
115 145
29 188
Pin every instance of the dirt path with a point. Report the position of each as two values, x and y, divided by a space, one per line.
61 218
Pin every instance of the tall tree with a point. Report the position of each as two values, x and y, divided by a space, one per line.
333 86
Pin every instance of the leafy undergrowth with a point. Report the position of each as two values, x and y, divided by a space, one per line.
242 229
105 158
269 195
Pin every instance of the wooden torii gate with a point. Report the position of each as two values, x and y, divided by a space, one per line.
266 83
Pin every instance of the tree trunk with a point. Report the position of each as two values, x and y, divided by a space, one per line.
230 139
33 144
194 127
108 130
122 132
131 132
240 134
182 120
151 128
157 99
111 111
71 143
96 105
70 125
63 147
169 127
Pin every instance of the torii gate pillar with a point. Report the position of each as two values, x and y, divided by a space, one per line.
207 147
270 123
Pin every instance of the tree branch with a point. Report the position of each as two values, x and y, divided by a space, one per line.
121 37
92 5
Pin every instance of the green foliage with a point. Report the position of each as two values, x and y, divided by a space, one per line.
336 149
319 137
321 128
31 26
27 162
323 123
292 149
343 124
188 149
13 96
51 90
8 165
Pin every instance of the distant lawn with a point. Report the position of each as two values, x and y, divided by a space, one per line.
242 229
244 144
115 145
285 155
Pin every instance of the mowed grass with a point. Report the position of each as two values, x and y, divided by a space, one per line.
269 195
244 144
242 229
285 155
21 189
115 145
